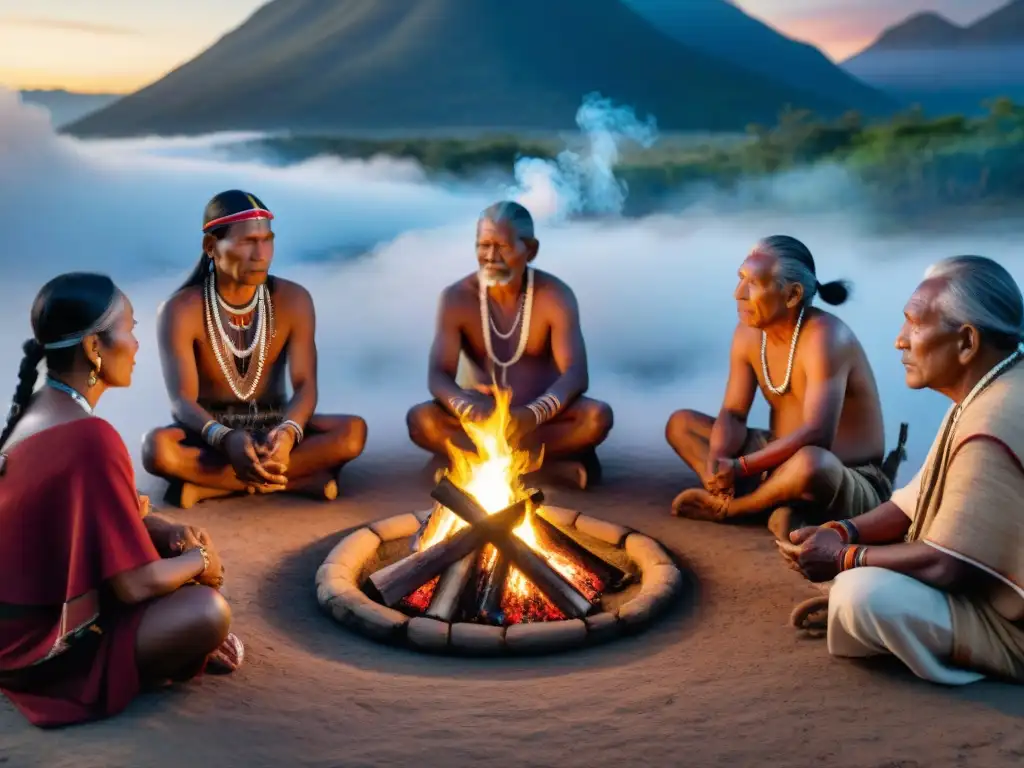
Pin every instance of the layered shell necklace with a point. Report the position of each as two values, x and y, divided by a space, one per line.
241 376
522 322
784 386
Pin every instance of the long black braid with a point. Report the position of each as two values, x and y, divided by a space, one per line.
28 374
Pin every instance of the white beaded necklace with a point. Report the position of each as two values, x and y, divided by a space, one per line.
259 301
524 327
782 388
239 311
260 342
515 323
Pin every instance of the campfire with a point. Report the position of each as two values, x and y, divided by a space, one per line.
486 554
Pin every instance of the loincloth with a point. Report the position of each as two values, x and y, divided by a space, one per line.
860 488
258 418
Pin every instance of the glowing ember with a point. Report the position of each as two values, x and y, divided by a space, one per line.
419 600
493 476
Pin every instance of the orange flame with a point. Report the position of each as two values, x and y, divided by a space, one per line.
493 476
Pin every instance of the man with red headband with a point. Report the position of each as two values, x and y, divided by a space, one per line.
231 339
822 456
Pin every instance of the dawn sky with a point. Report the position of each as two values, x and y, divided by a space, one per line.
120 45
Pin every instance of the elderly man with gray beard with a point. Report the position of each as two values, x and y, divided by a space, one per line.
935 576
822 456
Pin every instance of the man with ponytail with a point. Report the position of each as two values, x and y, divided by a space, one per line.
822 457
231 339
96 597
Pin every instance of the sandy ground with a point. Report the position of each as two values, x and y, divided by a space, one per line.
722 680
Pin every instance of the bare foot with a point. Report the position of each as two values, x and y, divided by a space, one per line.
698 504
323 487
227 658
187 495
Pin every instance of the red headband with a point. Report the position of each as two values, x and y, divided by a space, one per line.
234 218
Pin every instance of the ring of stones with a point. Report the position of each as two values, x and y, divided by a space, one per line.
345 567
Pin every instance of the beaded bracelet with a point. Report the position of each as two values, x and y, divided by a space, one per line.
214 433
852 556
206 559
294 426
545 407
460 407
846 529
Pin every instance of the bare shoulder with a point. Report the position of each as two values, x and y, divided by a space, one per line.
826 331
553 291
746 340
184 307
460 294
290 295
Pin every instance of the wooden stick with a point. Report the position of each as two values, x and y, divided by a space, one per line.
490 591
611 576
389 585
569 600
449 589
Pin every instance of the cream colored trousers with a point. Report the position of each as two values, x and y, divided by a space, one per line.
873 611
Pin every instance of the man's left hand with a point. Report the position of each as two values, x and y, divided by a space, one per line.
522 421
818 557
723 482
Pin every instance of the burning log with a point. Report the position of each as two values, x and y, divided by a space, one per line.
399 579
491 589
453 582
564 595
552 537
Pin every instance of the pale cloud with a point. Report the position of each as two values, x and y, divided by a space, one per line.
68 25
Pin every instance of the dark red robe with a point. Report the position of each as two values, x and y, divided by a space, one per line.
69 522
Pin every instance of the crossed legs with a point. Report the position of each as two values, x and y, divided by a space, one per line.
570 439
810 477
200 473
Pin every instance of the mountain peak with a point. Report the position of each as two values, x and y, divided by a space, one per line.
920 31
411 65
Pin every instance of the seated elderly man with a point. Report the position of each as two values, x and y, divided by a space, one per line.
516 328
935 576
822 457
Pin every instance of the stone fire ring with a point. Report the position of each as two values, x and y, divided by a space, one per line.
338 592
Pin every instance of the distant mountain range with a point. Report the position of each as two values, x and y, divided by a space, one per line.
723 30
945 66
417 65
66 107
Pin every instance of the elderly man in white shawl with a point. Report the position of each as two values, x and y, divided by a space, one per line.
935 575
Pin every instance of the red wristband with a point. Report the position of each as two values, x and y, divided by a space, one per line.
744 469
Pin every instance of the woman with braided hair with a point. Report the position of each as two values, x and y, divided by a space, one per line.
96 596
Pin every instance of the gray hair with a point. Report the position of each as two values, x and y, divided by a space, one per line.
980 292
796 265
513 214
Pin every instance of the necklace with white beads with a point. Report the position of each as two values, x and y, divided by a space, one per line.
524 327
784 387
218 342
